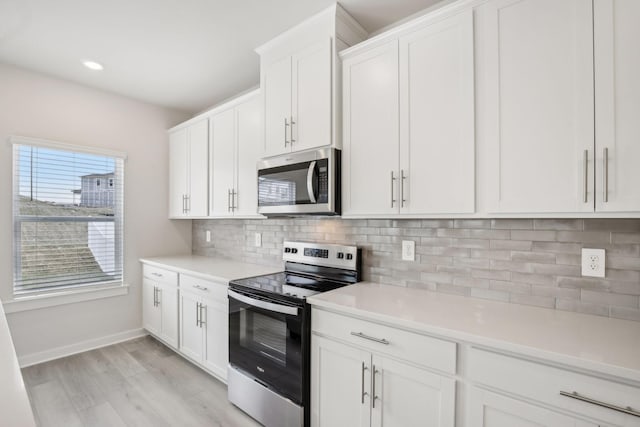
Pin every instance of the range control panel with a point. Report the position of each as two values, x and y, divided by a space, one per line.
337 256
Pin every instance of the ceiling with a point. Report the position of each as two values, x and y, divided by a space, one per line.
182 54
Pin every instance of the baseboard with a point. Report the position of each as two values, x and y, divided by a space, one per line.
68 350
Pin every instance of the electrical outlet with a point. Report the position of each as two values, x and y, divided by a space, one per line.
207 235
258 238
593 262
408 250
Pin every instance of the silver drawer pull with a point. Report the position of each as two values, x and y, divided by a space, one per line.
370 338
574 395
202 288
156 274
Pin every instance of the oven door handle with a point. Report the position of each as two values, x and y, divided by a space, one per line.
278 308
312 167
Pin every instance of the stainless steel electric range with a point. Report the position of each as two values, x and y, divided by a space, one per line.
270 334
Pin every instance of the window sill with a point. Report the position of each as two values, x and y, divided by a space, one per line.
34 302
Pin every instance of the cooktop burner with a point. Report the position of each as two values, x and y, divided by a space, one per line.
310 268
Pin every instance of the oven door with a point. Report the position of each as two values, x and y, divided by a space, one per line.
265 341
299 183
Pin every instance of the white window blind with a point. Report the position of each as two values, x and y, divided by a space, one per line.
67 227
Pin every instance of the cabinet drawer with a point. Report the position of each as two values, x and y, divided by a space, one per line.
160 275
544 383
422 350
204 288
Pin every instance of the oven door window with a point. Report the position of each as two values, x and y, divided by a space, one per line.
288 185
267 345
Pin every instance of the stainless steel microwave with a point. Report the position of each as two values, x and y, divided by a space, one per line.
306 183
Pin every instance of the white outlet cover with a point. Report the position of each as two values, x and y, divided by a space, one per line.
593 262
408 250
207 235
258 241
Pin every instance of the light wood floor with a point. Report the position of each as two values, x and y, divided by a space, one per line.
135 383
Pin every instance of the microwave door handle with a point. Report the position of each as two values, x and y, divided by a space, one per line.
283 309
312 167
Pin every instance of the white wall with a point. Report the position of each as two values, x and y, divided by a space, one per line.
37 106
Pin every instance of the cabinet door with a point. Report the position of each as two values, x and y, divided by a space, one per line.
198 195
168 300
249 142
371 146
277 107
538 110
216 355
437 137
191 335
487 409
311 97
223 143
151 319
617 67
406 396
340 384
178 172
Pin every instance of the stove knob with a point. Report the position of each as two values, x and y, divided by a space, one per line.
349 256
294 250
340 255
287 250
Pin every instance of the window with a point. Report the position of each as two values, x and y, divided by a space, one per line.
97 182
67 233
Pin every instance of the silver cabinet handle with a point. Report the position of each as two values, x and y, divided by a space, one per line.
233 199
158 296
229 200
278 308
155 296
184 203
202 288
291 131
606 175
370 338
373 387
392 181
286 125
157 274
586 175
627 410
188 203
312 167
197 314
363 393
402 178
202 310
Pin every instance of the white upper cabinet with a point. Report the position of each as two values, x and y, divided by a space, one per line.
300 77
617 71
311 97
277 106
437 137
537 112
223 144
235 150
248 151
189 170
371 152
409 143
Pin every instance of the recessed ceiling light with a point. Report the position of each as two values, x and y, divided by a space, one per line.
92 65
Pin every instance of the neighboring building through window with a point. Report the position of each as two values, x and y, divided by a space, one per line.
67 228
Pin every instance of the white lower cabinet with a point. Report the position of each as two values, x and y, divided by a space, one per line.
354 386
160 305
488 409
204 324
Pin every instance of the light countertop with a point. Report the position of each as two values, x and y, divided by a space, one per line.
605 345
209 268
15 409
